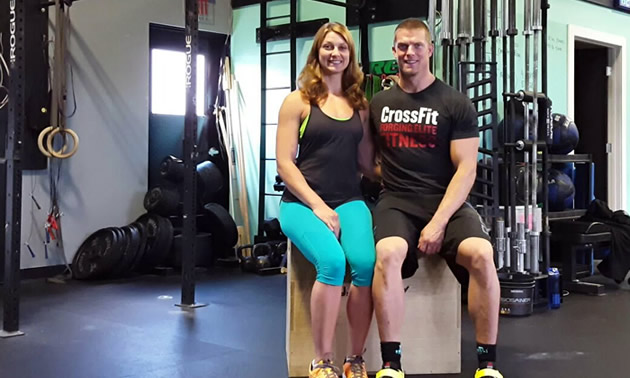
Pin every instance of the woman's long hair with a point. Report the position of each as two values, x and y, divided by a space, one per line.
310 81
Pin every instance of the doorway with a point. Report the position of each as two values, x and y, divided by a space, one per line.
591 109
167 96
615 166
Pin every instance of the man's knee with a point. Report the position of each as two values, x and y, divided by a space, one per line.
391 253
476 255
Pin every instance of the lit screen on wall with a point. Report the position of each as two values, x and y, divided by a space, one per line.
623 5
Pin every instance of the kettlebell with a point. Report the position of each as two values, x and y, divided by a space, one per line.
279 249
248 263
261 253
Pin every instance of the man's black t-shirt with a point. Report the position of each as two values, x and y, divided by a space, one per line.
414 131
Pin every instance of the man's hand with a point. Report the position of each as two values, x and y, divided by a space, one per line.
329 217
431 237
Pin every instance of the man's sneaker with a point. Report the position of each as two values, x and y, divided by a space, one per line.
323 369
488 372
390 373
354 367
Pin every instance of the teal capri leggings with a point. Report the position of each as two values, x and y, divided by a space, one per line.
320 246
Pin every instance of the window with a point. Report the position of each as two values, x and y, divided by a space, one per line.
168 91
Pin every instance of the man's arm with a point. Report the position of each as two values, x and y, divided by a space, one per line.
464 158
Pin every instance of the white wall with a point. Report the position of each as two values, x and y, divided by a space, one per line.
105 182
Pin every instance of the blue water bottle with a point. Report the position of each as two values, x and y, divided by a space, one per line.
553 287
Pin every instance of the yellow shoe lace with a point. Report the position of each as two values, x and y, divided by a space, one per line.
356 367
324 369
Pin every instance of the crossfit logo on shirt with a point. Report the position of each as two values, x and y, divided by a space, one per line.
409 128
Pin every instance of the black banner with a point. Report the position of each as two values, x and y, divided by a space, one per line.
36 93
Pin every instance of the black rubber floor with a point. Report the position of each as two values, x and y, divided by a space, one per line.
131 328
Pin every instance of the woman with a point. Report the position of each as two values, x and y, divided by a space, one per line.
322 210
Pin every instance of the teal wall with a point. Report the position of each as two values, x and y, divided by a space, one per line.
579 13
246 65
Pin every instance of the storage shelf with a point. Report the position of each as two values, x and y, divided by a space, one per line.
577 158
566 214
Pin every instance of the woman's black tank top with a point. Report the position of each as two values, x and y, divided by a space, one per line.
327 157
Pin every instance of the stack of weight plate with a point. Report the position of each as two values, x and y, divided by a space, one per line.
117 251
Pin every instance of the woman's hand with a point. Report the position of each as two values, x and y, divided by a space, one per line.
329 217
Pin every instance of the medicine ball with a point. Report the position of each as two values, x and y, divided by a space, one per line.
517 123
561 191
566 168
520 186
565 134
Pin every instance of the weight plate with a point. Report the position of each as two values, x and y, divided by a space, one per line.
118 248
222 227
142 246
159 233
151 226
203 250
209 181
162 201
172 169
97 254
133 240
164 241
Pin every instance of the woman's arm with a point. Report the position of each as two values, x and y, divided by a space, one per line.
289 120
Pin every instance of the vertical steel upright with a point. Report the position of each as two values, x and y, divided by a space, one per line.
16 120
191 10
264 36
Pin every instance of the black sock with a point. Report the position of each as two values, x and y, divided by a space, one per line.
486 355
391 353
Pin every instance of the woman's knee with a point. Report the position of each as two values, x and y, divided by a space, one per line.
331 269
363 271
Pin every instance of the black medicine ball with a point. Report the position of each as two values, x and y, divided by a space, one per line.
565 134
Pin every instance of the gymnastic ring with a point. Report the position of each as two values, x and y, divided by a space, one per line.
60 154
40 141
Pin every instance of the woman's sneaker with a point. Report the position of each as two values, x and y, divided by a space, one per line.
354 367
323 369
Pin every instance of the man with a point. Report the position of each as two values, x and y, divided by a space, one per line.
428 138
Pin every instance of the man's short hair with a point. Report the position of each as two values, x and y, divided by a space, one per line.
411 24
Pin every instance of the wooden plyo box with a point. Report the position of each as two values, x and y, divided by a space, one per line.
431 339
